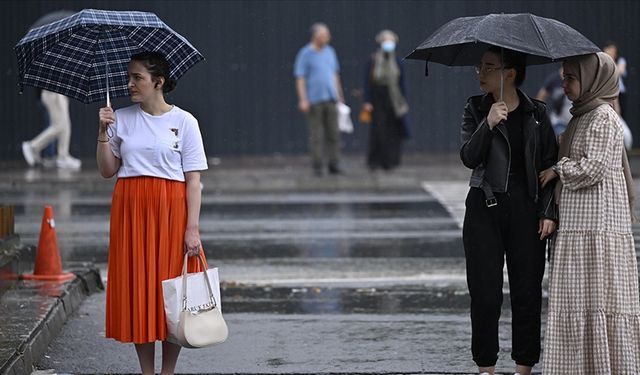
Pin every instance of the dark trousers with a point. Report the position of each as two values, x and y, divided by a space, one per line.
324 132
622 99
490 233
385 143
386 131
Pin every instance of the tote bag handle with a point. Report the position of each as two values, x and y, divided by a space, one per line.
212 299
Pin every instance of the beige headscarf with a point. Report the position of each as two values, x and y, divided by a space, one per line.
598 85
598 81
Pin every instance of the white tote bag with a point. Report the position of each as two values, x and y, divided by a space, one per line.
193 309
626 132
344 118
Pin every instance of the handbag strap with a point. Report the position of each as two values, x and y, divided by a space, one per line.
206 280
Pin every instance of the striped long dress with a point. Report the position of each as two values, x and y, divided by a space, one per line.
594 308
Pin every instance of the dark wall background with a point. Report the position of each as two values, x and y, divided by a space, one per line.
243 94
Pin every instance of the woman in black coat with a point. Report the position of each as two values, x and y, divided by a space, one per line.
507 140
385 100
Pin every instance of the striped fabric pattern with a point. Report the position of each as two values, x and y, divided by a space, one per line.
72 56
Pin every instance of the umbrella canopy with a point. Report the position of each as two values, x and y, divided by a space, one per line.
462 41
85 56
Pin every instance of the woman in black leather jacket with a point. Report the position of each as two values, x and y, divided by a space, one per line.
507 140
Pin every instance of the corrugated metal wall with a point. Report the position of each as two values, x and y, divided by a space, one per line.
244 96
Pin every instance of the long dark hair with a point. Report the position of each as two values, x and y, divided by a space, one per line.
158 67
512 60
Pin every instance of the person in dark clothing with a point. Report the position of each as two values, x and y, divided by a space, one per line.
385 99
507 139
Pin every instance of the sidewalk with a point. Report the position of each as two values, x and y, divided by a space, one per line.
38 311
33 313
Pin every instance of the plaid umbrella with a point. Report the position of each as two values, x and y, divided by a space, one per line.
85 56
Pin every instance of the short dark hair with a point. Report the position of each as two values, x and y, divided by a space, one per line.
158 67
512 60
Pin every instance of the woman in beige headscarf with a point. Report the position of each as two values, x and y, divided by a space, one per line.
385 100
594 308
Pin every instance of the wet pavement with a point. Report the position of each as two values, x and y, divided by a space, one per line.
310 342
33 313
362 273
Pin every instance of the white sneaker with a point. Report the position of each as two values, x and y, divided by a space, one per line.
29 155
50 162
68 162
484 373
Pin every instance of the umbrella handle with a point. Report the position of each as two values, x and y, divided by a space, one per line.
501 85
501 73
106 76
106 70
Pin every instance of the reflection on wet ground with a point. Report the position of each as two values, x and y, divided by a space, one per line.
440 245
410 299
223 211
297 225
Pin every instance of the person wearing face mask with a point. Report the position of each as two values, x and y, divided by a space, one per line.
385 99
593 322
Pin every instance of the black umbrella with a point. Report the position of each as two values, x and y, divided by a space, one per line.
462 41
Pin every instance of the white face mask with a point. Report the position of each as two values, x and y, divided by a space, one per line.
388 46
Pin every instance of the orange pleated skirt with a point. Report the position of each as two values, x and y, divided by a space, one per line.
146 246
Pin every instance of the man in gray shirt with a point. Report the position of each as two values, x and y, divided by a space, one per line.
317 74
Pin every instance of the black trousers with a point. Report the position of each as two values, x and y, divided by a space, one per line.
385 132
490 233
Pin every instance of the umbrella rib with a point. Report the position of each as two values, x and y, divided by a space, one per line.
458 52
540 37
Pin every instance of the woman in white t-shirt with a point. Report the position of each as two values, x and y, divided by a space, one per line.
156 150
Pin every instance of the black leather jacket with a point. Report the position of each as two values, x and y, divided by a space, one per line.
487 151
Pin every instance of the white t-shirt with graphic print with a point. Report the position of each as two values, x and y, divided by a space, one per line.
164 146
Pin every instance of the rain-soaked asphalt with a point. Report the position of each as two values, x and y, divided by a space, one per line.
367 278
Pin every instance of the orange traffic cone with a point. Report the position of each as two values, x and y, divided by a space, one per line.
48 265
